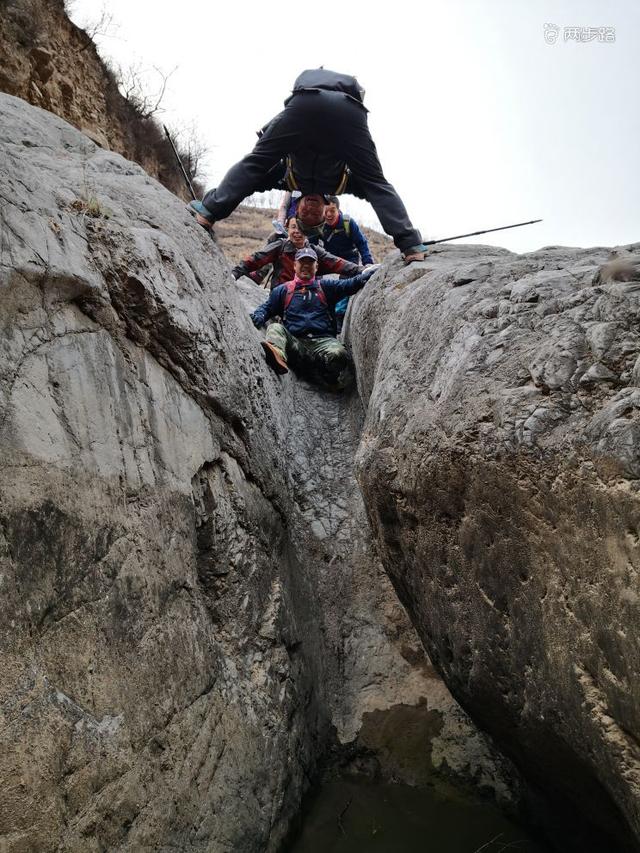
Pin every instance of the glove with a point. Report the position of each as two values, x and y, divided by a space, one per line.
255 321
369 271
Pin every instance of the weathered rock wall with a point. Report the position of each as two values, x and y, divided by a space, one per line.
500 463
156 689
189 601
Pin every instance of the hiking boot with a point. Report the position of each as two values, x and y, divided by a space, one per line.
275 358
342 382
337 376
201 213
415 253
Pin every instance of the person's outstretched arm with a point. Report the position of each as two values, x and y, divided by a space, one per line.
271 308
337 289
361 244
328 263
258 260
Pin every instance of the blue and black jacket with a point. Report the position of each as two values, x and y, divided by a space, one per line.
346 242
307 313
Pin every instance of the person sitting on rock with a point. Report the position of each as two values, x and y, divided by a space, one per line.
319 143
306 336
281 253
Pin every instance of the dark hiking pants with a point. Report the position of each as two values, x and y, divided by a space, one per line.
321 131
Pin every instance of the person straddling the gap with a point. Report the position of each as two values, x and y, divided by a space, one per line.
305 339
281 253
342 237
320 143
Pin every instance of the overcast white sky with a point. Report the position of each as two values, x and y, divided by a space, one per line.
478 121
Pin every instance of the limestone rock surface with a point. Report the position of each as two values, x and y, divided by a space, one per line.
500 467
190 604
154 683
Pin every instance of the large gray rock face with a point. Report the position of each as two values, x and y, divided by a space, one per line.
500 465
154 684
189 601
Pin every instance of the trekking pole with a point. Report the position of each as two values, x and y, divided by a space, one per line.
184 174
181 164
475 233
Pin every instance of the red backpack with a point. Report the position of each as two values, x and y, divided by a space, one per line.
291 286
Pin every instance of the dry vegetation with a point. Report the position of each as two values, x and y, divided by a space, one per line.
50 62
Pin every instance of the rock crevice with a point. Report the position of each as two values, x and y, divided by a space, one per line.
192 609
195 591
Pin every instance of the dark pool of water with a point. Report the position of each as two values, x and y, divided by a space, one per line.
353 816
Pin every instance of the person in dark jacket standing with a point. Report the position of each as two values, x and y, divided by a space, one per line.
342 236
281 253
319 143
306 336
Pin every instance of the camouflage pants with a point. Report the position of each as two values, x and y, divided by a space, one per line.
323 359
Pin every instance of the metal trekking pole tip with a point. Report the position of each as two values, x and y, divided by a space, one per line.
477 233
180 163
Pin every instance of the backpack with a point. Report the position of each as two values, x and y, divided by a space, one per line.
322 78
291 286
346 224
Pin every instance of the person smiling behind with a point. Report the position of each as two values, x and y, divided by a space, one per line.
342 236
281 254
